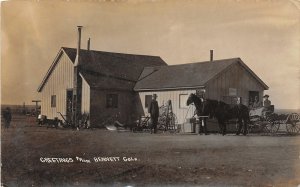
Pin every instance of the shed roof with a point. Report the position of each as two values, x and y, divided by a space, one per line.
191 75
97 64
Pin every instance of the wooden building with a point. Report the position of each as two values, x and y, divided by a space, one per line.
222 80
106 83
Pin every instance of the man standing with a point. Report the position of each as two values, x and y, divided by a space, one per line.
239 116
203 112
7 117
154 112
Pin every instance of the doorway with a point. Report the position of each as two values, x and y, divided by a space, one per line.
252 95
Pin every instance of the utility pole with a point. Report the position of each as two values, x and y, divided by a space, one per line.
77 83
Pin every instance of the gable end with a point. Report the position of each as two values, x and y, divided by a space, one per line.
51 69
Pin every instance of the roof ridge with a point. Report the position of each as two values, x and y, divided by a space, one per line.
204 62
112 52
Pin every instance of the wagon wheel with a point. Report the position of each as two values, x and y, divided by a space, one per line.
272 126
292 124
251 126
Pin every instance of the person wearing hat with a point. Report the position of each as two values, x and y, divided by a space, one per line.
267 102
154 113
267 106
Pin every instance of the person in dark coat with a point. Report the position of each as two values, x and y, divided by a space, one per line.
203 112
267 102
238 109
7 117
268 109
154 113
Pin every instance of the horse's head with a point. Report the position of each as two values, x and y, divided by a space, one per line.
191 99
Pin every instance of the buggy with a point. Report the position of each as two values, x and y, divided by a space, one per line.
264 119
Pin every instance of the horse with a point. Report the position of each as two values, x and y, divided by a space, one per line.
206 108
222 112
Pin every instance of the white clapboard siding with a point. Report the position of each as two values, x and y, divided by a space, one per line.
85 94
163 96
57 84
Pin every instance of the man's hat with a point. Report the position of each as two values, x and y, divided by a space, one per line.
266 95
154 95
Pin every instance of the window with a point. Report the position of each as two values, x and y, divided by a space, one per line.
231 100
182 100
53 100
232 92
148 99
111 101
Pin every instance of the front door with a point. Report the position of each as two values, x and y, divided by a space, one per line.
69 105
252 95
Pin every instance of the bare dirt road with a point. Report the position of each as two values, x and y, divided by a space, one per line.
142 159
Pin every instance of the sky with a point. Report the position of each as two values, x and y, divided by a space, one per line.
263 33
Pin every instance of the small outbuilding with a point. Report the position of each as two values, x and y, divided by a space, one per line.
222 80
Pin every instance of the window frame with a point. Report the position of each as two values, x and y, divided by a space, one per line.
232 92
180 98
147 104
53 101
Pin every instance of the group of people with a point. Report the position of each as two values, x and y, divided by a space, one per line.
153 110
257 104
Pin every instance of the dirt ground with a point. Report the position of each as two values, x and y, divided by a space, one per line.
162 159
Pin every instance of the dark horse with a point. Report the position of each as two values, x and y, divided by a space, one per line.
222 111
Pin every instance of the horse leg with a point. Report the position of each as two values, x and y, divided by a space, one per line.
224 128
205 126
220 127
245 127
240 126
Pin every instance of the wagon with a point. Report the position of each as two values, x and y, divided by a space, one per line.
43 120
265 120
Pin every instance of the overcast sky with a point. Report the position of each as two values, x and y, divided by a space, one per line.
264 34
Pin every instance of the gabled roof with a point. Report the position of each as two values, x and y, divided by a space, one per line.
193 75
126 66
119 66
